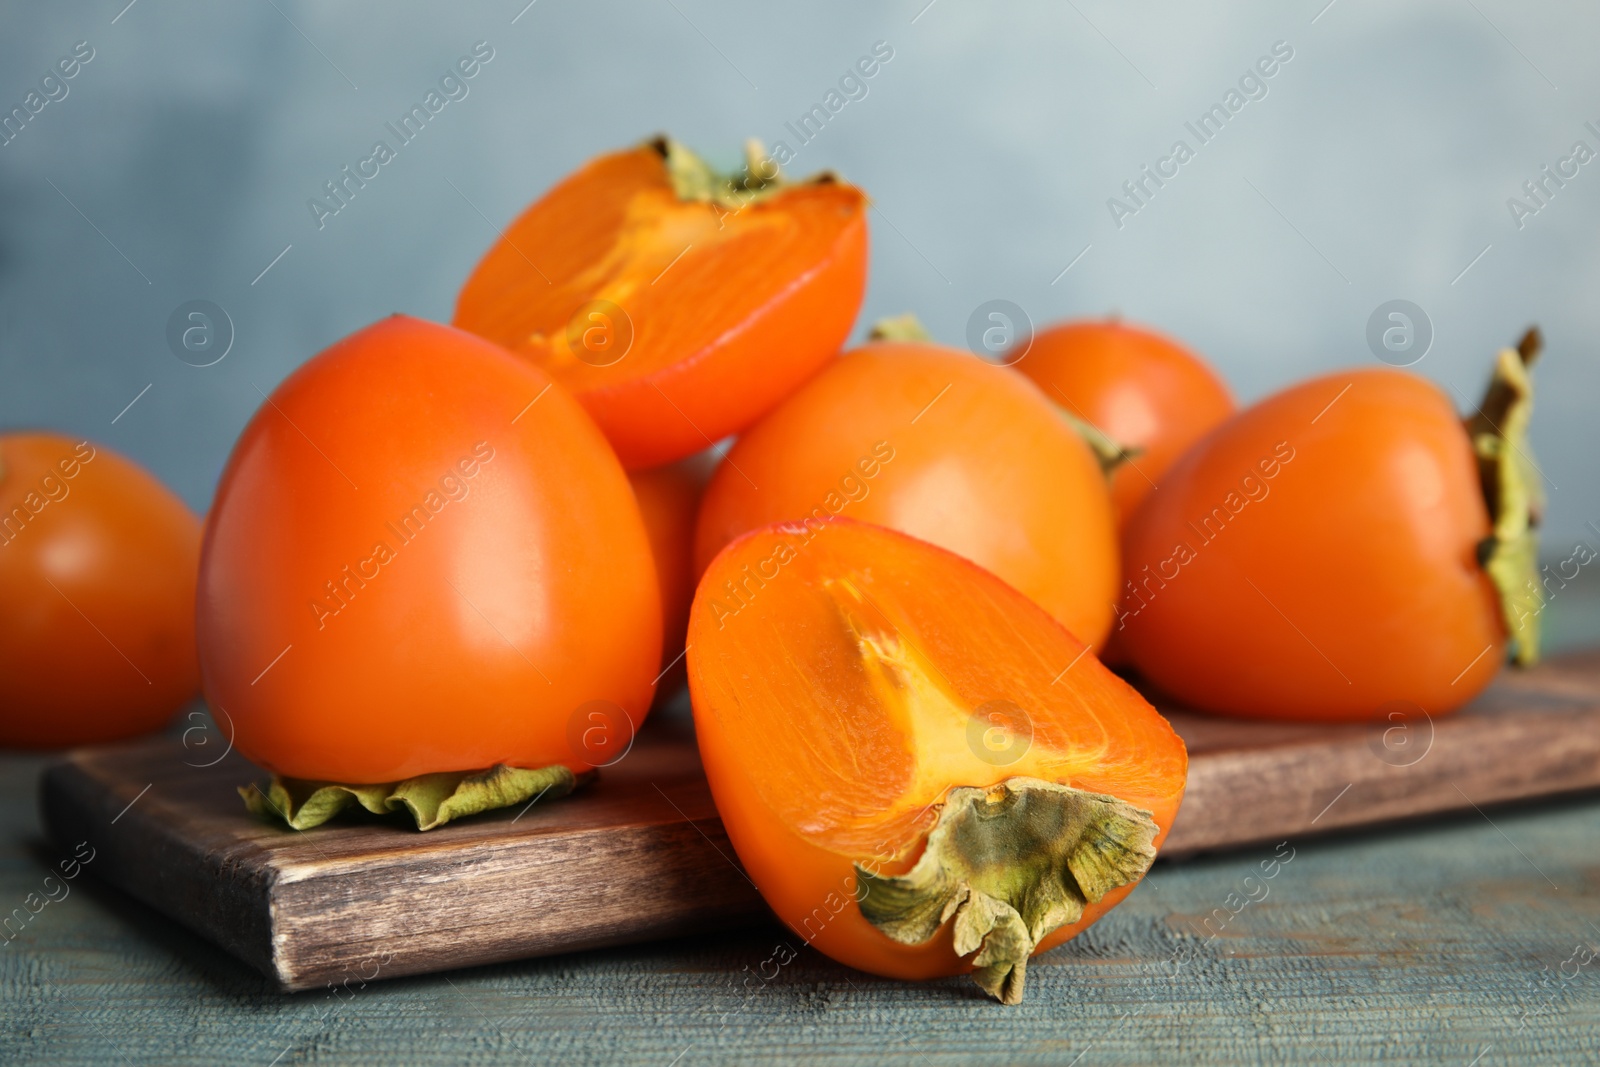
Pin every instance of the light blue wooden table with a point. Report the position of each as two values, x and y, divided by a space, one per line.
1472 939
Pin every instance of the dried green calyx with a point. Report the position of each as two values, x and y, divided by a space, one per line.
1105 447
430 799
905 328
1111 454
693 179
1008 866
1512 490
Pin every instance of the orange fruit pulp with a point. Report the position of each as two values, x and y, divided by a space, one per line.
860 696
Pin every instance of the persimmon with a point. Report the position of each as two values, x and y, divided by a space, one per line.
1148 395
1342 546
942 445
923 772
669 500
98 562
676 303
424 558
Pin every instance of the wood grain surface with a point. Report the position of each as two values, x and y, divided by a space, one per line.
641 855
1449 939
1532 733
1440 941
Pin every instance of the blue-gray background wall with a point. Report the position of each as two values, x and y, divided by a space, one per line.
1378 166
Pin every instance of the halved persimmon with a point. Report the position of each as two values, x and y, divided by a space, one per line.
677 304
921 770
942 445
1150 396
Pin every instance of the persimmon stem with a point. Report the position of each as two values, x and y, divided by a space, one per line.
1106 449
1111 453
905 328
693 179
1008 865
430 799
1512 490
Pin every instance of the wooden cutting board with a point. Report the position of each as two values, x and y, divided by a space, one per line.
641 854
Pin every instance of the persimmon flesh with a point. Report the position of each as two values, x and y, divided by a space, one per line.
881 720
676 304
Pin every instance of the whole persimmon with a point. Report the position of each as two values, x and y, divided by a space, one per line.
669 500
423 557
1343 549
677 304
922 771
941 445
1150 396
98 562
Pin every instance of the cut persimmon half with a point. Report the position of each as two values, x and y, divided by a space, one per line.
922 771
676 303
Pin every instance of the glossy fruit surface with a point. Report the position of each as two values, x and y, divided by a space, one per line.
97 576
944 447
677 305
1145 391
1317 558
847 678
941 445
669 500
423 557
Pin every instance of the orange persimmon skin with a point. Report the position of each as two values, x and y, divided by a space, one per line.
669 500
778 700
939 444
1143 390
729 309
97 574
1344 576
514 584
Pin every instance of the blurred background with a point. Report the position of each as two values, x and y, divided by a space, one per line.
1377 163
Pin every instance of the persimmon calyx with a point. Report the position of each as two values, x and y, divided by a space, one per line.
1105 447
695 180
1512 490
430 799
905 328
1009 865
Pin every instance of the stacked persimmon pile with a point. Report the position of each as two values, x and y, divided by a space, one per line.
448 567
